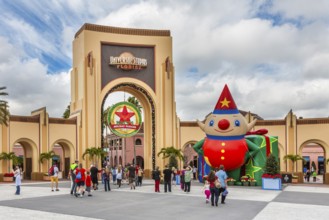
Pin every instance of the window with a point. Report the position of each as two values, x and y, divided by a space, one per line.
138 142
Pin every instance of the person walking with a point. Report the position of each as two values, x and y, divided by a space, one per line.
88 183
187 179
174 173
73 166
132 176
119 176
156 175
214 191
80 177
114 175
106 178
54 177
94 176
167 178
222 177
178 181
194 172
182 177
308 175
18 180
206 190
140 176
314 175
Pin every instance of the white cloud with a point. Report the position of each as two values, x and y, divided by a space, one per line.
30 87
269 67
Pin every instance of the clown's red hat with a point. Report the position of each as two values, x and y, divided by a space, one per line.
225 104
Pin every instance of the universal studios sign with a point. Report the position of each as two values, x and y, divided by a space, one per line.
124 119
127 61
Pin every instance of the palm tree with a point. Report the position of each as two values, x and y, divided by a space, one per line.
172 153
293 158
94 152
4 113
47 156
67 112
135 102
7 157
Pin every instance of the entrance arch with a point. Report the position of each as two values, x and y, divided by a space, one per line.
146 100
30 159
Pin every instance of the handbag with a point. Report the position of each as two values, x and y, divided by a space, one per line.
217 184
225 192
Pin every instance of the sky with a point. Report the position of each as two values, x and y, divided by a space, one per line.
273 55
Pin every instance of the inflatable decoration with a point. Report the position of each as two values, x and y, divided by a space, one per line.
225 142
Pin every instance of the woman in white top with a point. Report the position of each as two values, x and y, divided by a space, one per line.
18 182
119 176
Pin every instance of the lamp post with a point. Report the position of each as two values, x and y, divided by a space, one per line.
135 152
111 149
117 159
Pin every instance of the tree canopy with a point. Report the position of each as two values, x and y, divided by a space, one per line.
4 112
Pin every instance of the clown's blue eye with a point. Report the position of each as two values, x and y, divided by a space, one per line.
237 123
211 123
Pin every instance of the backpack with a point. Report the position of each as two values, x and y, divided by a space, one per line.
78 176
51 171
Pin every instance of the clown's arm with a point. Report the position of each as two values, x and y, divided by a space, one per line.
198 147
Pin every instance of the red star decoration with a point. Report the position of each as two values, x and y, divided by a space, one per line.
125 115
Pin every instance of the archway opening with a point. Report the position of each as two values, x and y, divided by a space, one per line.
24 151
314 163
190 156
63 158
122 151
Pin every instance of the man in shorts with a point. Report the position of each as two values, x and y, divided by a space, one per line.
54 178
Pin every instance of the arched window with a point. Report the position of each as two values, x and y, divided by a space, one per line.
138 142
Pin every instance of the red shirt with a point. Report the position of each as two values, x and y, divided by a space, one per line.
83 176
88 181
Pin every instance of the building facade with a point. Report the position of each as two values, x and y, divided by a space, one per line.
137 61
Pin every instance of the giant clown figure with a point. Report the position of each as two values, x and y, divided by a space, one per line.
225 130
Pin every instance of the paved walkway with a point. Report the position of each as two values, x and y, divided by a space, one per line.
38 202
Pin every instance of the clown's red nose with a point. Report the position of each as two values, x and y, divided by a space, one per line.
223 124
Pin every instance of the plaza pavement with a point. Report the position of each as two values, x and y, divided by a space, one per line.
38 202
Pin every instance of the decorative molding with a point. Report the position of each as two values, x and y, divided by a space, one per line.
119 30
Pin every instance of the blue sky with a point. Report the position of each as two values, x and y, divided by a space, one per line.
272 54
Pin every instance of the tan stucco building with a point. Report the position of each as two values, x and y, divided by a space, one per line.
101 57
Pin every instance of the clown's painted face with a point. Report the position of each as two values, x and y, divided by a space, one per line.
226 125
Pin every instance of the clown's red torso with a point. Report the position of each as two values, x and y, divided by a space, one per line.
229 153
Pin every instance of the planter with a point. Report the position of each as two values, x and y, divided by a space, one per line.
245 183
271 184
230 183
238 183
253 183
46 178
8 179
294 180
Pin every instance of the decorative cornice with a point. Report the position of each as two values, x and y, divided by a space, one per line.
126 31
270 122
18 118
71 121
189 124
313 121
